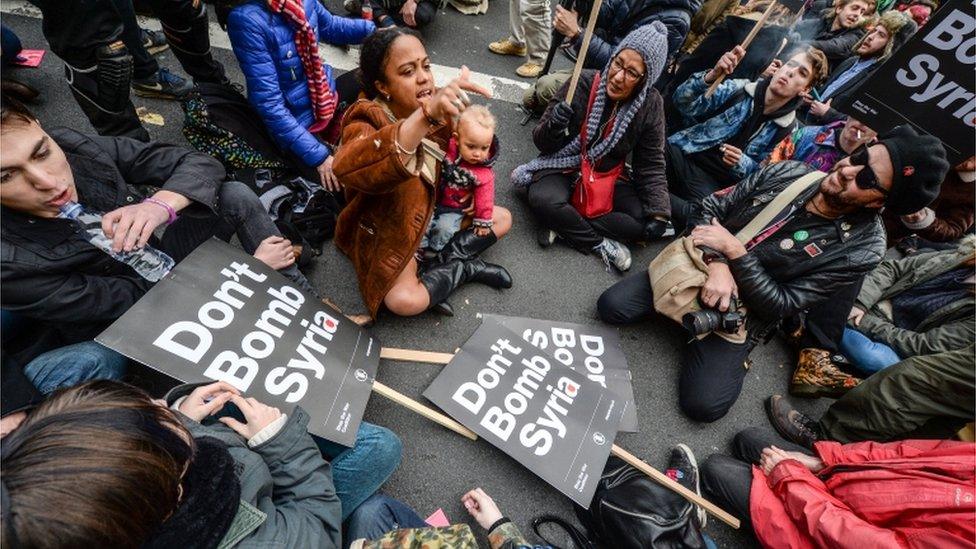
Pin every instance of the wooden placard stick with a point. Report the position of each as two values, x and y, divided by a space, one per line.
412 355
429 413
581 57
666 481
745 43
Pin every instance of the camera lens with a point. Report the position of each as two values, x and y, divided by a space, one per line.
701 322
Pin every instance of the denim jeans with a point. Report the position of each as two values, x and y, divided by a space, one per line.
74 364
867 356
443 225
378 515
358 472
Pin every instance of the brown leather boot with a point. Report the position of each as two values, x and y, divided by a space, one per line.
816 376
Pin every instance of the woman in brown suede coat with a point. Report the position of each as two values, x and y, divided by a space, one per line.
388 163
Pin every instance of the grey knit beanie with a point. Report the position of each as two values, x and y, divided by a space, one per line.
651 42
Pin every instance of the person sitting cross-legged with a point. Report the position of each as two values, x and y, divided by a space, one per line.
816 246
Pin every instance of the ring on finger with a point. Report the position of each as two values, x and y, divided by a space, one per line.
464 97
458 103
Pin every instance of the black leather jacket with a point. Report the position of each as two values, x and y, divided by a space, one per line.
52 276
791 271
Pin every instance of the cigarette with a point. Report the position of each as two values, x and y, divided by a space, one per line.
858 134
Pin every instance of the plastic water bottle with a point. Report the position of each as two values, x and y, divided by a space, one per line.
149 262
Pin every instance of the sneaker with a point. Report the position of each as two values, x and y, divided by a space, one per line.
792 424
162 85
545 237
154 41
613 253
816 376
507 47
529 70
683 469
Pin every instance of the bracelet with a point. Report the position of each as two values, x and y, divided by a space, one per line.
402 150
430 119
169 209
498 523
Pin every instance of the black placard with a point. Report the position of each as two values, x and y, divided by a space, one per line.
554 421
928 83
593 351
223 315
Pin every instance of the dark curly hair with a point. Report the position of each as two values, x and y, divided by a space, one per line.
374 53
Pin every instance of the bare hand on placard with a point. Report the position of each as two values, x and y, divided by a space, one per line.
207 400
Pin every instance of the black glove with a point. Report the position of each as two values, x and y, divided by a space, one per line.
560 115
654 229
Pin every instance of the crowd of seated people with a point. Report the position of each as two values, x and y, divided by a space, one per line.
865 268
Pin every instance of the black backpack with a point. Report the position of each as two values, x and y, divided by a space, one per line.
631 511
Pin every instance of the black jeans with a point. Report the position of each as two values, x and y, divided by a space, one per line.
688 184
424 15
187 30
144 65
549 201
727 480
240 214
712 369
823 324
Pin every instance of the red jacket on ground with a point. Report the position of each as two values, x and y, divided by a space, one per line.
913 493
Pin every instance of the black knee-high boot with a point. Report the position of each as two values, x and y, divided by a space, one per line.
465 245
441 280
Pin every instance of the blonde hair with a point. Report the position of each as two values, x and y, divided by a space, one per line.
478 114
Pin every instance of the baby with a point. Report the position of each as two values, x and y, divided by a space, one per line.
466 175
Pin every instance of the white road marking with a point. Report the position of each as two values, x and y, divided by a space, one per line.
502 89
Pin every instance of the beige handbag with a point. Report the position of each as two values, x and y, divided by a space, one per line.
678 273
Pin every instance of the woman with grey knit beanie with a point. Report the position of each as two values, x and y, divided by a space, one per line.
624 124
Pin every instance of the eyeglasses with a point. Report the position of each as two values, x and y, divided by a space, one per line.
866 178
630 74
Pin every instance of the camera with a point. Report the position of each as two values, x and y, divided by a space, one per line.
706 320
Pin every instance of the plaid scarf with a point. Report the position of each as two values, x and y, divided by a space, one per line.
307 45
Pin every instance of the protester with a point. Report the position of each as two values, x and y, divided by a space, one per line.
925 396
390 171
820 245
947 218
622 115
52 275
416 14
10 48
148 78
821 147
919 305
88 37
837 29
891 31
735 129
393 524
166 477
726 32
617 19
918 10
292 89
530 35
467 179
912 493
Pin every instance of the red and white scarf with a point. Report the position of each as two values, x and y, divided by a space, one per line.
323 98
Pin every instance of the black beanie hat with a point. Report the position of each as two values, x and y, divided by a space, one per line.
919 166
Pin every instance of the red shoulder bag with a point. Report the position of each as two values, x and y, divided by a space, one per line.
593 194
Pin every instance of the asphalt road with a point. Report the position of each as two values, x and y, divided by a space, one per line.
558 283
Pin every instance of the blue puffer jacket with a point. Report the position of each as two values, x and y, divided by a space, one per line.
711 128
264 44
618 17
